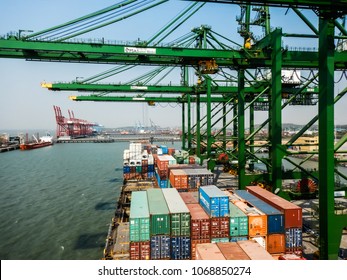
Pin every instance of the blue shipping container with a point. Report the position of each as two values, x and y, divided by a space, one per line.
275 218
150 168
161 183
164 149
214 201
180 248
223 239
238 238
293 239
126 169
160 247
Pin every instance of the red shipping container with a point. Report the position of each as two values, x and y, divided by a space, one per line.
200 224
194 242
232 251
292 213
162 164
140 250
220 227
276 243
163 173
189 197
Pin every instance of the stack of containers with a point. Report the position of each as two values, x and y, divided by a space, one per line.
190 178
292 217
200 225
199 221
180 225
138 163
159 225
257 222
199 177
139 226
275 238
162 163
216 205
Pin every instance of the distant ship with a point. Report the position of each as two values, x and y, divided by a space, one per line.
43 142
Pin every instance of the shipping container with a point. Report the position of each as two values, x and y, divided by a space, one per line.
238 221
276 243
159 212
140 250
232 251
208 251
275 218
214 201
292 213
163 161
238 238
257 221
220 227
179 213
220 240
189 197
254 251
200 222
199 177
262 240
178 179
293 239
180 248
194 243
139 226
160 247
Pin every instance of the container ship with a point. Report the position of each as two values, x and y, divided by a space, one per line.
171 209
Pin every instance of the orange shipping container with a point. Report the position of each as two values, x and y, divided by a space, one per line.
276 243
232 251
178 179
194 242
208 251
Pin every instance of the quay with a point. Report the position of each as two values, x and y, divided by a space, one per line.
122 138
10 147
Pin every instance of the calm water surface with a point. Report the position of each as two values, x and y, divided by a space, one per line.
56 202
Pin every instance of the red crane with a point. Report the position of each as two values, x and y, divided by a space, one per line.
73 127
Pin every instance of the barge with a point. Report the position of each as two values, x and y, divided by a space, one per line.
171 211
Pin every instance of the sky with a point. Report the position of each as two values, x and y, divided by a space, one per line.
26 105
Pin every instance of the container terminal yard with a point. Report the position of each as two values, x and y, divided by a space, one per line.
223 84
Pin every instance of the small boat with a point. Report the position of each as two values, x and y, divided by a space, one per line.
43 142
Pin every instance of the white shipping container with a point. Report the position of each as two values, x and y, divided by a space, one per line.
260 239
150 159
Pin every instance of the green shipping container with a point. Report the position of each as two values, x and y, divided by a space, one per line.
179 213
159 212
238 221
139 217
